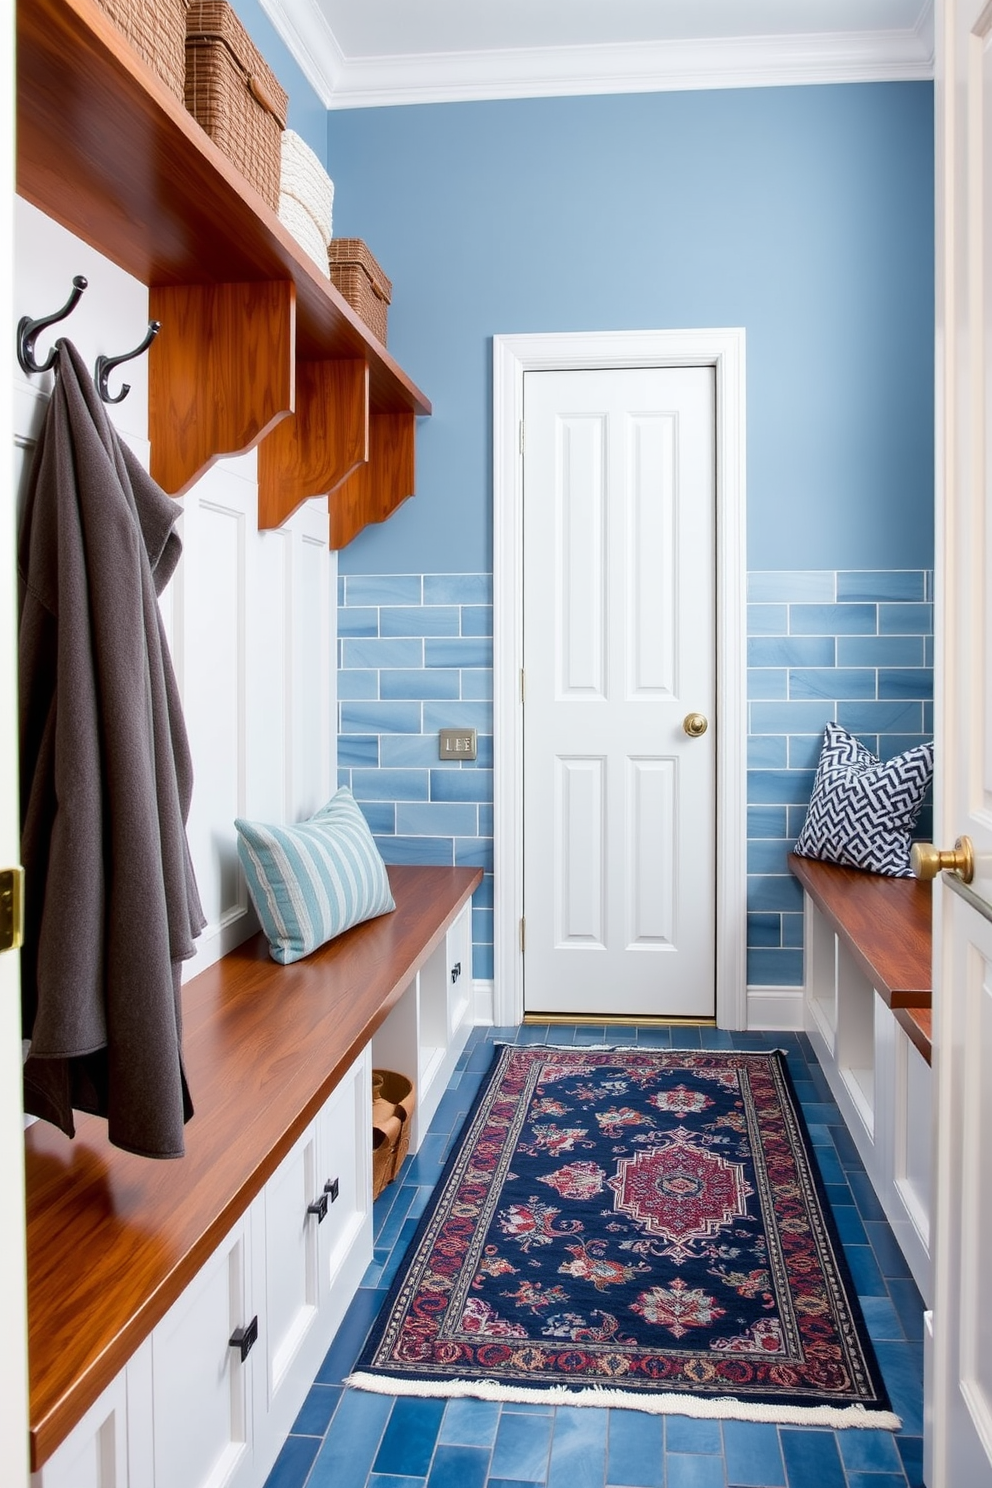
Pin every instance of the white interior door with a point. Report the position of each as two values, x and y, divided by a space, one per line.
619 668
960 1383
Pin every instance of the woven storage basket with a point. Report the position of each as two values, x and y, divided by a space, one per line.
359 278
304 179
393 1095
157 32
307 232
233 94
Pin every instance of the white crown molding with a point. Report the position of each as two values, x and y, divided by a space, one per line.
663 66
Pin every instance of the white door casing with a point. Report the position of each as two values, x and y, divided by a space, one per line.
959 1381
513 356
619 800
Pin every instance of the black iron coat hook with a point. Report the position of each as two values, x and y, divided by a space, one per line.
28 330
105 365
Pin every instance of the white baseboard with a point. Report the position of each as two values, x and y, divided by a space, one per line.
775 1008
484 1002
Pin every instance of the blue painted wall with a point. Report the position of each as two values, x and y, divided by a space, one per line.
307 114
803 214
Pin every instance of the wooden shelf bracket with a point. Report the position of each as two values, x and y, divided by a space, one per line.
327 438
376 489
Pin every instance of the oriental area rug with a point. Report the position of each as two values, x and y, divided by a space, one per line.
633 1228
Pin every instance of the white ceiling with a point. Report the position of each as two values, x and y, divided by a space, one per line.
360 53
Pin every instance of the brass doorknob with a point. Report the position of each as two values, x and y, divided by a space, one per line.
927 861
695 725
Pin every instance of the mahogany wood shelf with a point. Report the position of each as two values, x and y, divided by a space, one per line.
105 149
113 1239
885 922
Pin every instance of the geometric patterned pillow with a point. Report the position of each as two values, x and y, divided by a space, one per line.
311 881
862 812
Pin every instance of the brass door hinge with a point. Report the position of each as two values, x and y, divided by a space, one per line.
523 936
11 909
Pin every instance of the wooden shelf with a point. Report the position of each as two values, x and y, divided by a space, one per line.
105 149
113 1239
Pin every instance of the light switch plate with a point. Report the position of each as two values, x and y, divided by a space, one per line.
456 743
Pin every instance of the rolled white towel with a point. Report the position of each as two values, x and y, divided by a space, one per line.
303 177
305 230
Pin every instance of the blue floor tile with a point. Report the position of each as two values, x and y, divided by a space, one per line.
459 1467
293 1463
578 1448
911 1452
850 1226
349 1449
340 1357
389 1480
317 1410
812 1458
523 1444
869 1451
909 1305
902 1371
891 1261
881 1319
695 1471
636 1457
689 1434
753 1455
470 1423
875 1480
868 1280
410 1437
864 1195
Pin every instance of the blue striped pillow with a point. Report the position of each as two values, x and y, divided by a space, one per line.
310 881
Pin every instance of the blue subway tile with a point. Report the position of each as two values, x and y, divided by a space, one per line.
881 1320
764 930
419 684
888 1252
484 897
790 718
890 745
401 751
477 683
458 651
294 1462
487 820
416 849
782 892
911 1452
767 752
881 718
350 1446
876 1480
357 686
791 586
458 589
766 821
879 651
791 651
868 1279
459 1467
419 620
767 619
477 620
458 715
689 1434
390 785
929 650
380 815
410 1437
636 1456
470 1423
340 1357
380 718
766 682
812 1457
340 590
482 963
394 1480
881 584
792 931
900 1364
830 619
905 619
779 787
775 968
831 682
695 1471
523 1444
474 852
850 1225
909 1307
358 750
358 622
344 778
482 926
436 819
753 1455
804 751
383 589
461 785
795 817
484 755
377 653
316 1411
905 682
578 1448
764 855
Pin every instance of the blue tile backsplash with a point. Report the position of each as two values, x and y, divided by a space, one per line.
415 655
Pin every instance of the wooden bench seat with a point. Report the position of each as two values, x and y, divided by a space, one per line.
885 923
113 1239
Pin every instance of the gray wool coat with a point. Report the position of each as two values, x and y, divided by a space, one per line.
112 908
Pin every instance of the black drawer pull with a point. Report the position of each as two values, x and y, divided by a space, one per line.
319 1207
456 971
243 1338
331 1189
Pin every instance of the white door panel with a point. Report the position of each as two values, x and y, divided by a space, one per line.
619 646
959 1407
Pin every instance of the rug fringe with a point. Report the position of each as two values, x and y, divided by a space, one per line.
661 1404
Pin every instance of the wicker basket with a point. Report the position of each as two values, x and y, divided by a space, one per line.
359 278
158 34
233 94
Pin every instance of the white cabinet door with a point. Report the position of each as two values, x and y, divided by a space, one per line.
94 1455
201 1386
